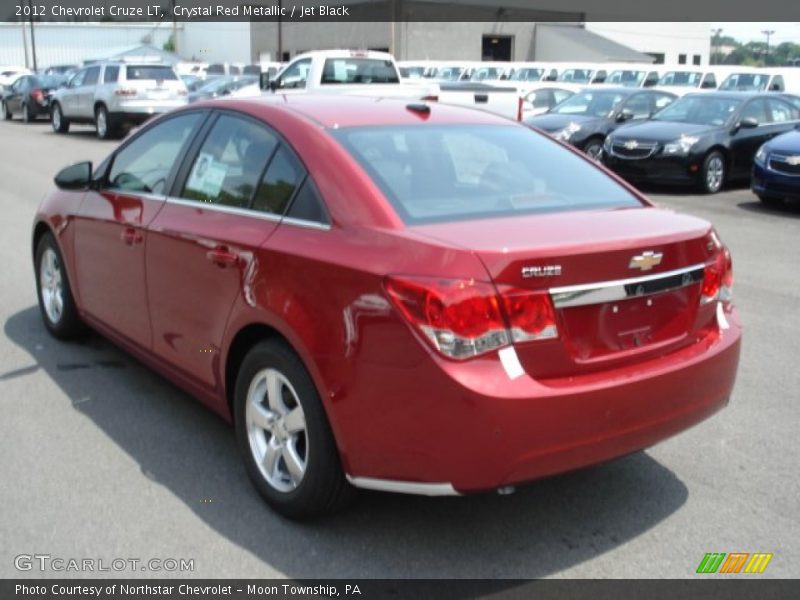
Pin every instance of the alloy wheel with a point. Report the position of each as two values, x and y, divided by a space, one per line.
52 286
715 170
276 430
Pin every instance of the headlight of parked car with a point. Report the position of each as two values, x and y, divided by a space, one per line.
565 134
761 155
681 146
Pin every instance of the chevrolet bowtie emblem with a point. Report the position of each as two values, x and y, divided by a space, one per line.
631 144
646 260
793 160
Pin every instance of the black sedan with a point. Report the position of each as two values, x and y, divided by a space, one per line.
585 119
776 169
703 139
30 96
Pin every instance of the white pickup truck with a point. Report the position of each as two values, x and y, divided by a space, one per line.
370 73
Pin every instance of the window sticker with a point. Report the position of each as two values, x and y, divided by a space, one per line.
207 176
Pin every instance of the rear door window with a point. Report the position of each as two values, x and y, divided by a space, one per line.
111 74
280 181
92 74
229 165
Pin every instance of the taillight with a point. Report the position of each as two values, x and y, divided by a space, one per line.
124 92
463 318
37 95
718 278
530 314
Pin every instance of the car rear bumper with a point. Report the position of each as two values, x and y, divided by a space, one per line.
771 183
144 108
466 427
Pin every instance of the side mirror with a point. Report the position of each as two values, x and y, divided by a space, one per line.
748 123
75 177
626 114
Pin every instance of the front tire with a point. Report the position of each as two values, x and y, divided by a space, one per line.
59 123
6 112
284 436
713 173
594 149
56 302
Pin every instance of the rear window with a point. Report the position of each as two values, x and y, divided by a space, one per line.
457 172
358 70
158 73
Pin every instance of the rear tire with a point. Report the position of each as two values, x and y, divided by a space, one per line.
26 113
58 121
284 436
102 123
57 306
713 173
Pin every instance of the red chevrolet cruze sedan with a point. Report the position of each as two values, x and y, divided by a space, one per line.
405 297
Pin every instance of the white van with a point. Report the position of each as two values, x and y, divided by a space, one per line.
638 75
680 79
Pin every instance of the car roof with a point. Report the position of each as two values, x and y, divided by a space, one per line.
335 111
734 95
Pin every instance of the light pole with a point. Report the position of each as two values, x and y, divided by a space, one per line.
768 33
715 42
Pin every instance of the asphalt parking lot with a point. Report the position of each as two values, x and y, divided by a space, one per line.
101 458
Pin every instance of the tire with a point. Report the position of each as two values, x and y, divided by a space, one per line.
6 113
26 113
56 302
713 173
58 121
305 477
593 148
102 123
771 201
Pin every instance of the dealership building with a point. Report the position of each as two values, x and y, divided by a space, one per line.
506 30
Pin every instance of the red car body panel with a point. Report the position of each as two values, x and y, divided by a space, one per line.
176 283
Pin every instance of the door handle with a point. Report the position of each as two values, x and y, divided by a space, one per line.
222 257
131 236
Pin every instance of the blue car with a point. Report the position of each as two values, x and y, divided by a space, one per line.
776 169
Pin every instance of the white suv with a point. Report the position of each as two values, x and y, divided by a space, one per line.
116 94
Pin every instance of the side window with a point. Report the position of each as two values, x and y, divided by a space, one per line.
651 79
230 162
19 84
295 75
756 109
709 82
77 79
307 204
639 105
539 99
777 84
282 177
111 74
145 163
782 111
560 95
661 101
92 73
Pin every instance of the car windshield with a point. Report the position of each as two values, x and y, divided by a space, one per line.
455 172
576 75
700 110
49 81
449 73
413 72
527 74
681 78
157 72
594 103
358 70
745 82
626 78
486 74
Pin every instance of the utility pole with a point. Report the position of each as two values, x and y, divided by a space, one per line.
33 38
24 42
715 33
768 33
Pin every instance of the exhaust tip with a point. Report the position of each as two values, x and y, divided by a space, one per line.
506 490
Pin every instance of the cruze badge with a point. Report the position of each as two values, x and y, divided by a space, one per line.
646 260
793 160
545 271
631 145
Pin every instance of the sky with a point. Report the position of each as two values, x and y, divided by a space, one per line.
747 32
